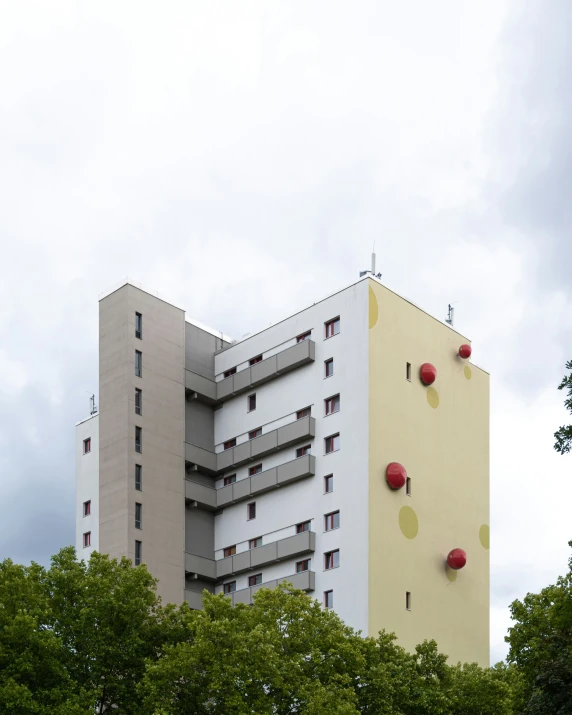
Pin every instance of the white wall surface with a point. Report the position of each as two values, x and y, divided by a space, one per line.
87 485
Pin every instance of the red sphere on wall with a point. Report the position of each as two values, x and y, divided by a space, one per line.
396 475
456 559
465 351
427 373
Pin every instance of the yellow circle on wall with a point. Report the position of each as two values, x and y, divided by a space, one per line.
485 536
408 522
467 371
373 309
433 397
451 574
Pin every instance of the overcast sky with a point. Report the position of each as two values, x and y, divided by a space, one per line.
241 158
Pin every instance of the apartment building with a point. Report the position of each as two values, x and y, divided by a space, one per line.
316 451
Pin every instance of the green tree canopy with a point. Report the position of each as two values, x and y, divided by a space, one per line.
563 436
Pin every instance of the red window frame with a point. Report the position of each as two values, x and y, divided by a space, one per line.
303 451
255 543
331 444
254 360
255 580
230 444
328 480
331 327
230 479
327 364
304 336
330 404
251 511
330 561
329 599
229 587
87 445
87 508
87 539
302 566
306 412
253 434
228 373
330 521
303 526
254 470
252 402
229 551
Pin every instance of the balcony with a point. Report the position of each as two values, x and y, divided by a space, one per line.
201 460
200 495
200 388
306 581
200 566
287 548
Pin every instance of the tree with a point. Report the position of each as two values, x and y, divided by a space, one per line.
541 647
563 436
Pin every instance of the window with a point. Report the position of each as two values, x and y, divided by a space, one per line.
255 543
231 443
329 367
328 599
138 363
87 507
255 580
138 516
229 587
87 445
228 373
408 371
255 433
254 360
251 510
303 566
138 432
138 326
408 600
332 521
138 477
138 553
254 470
138 401
303 451
331 559
304 336
303 413
229 551
332 443
231 479
408 486
332 404
251 402
87 539
303 526
329 484
332 327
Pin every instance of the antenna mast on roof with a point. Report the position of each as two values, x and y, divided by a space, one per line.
372 272
450 315
92 407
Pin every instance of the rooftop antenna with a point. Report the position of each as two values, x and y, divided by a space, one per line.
92 407
364 273
450 315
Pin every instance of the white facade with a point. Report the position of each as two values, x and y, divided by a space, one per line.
87 485
277 401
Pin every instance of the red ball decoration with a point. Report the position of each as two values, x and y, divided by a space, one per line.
456 559
396 475
465 351
427 373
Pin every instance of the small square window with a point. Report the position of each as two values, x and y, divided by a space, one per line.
303 451
139 326
254 360
255 543
303 413
231 479
138 436
408 371
329 367
229 587
328 599
331 559
332 327
255 580
87 445
332 404
408 486
138 401
229 551
138 553
253 434
329 484
87 507
254 470
302 566
304 336
303 526
231 443
138 363
251 510
138 477
332 443
408 600
228 373
138 516
252 402
332 521
87 539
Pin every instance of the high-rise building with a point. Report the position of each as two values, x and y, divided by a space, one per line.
344 449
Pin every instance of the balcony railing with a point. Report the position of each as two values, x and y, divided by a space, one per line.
287 548
306 581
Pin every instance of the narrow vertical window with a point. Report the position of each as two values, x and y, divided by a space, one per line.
329 367
251 510
331 559
332 404
302 566
138 363
138 401
138 443
408 600
408 371
328 483
231 479
138 326
303 451
255 543
332 443
87 507
332 327
332 521
251 402
408 486
303 413
255 580
229 587
328 599
138 477
87 539
87 445
138 516
303 526
138 553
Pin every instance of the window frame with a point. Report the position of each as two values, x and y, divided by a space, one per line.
327 363
300 527
229 373
254 469
408 371
138 552
256 582
138 401
330 440
332 323
138 439
330 556
326 478
229 587
87 508
87 445
255 360
253 434
407 600
138 478
229 551
138 515
305 412
303 451
329 594
300 563
330 520
250 510
139 326
303 337
329 405
408 486
228 480
250 401
254 541
138 363
86 539
229 444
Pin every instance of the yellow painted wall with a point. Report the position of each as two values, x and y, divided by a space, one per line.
445 450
